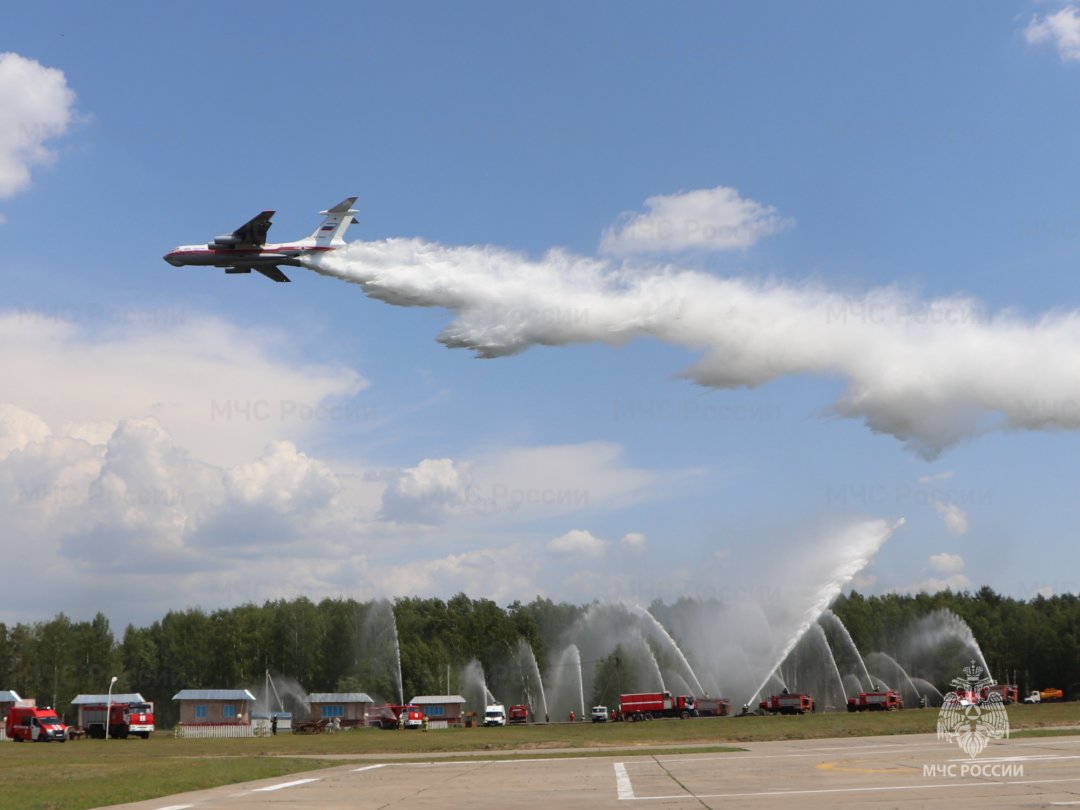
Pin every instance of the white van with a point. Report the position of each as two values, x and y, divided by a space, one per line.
495 715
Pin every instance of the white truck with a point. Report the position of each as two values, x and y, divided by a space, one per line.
495 715
599 714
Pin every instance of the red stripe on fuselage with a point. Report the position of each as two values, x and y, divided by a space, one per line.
234 251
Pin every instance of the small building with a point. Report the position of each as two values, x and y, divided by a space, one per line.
215 712
83 701
439 709
349 707
7 700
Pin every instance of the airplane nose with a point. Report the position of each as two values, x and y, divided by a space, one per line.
170 257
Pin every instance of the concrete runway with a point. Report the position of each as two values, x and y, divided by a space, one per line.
916 771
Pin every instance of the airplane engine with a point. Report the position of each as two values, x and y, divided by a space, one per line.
224 241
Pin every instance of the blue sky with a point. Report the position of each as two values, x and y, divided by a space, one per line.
920 149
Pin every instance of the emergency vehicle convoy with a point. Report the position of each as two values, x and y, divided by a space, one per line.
885 700
788 703
125 719
33 724
647 705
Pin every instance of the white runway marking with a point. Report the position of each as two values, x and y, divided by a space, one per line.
1025 758
876 789
368 768
283 785
622 782
176 807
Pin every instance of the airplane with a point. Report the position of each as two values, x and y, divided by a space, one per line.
245 249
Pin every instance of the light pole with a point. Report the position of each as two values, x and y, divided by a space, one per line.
108 707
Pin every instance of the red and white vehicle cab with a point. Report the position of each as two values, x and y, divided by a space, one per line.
34 724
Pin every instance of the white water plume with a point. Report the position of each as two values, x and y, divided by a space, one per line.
929 372
858 542
843 647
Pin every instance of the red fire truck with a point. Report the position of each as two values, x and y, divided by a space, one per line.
125 719
882 701
788 703
519 713
712 707
405 715
645 705
1009 693
34 724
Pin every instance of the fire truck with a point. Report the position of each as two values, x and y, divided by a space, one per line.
881 701
125 719
519 713
788 703
34 724
713 707
1010 693
646 705
408 715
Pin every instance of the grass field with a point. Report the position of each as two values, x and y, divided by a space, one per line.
94 773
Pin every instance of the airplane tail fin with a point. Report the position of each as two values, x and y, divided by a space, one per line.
332 232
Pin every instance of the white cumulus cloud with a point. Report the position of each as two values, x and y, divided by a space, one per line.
223 392
704 219
956 519
633 541
946 573
1062 29
578 542
946 563
427 493
36 105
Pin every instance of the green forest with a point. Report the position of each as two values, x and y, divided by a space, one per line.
346 645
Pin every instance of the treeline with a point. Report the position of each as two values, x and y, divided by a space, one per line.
1034 643
333 645
345 645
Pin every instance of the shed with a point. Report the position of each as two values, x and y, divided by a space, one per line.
215 706
7 700
441 707
349 707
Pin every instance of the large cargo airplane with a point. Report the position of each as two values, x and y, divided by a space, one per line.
245 249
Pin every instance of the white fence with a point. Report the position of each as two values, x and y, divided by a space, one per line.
437 725
202 731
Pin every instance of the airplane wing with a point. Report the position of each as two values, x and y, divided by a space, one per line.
273 273
253 232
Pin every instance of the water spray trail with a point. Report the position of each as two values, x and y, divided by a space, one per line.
575 656
835 670
397 656
831 619
931 374
525 651
660 631
891 662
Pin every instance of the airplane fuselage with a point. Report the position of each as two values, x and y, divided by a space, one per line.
203 255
